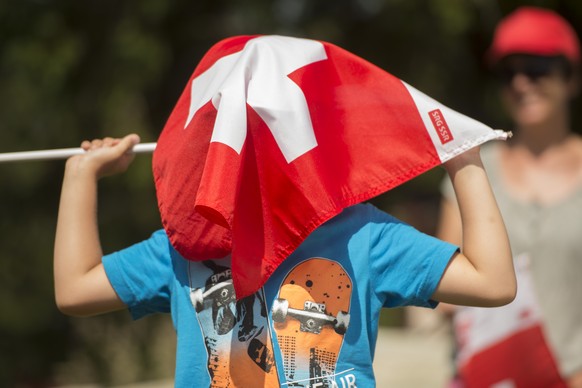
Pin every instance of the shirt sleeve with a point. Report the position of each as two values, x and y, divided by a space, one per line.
407 265
142 274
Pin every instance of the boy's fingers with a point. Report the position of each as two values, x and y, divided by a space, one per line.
97 143
127 143
109 141
118 146
86 144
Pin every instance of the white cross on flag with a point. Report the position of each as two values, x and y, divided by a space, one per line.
274 135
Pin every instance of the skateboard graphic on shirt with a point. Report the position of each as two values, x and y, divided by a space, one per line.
238 342
311 316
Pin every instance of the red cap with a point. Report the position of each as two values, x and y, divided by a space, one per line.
534 31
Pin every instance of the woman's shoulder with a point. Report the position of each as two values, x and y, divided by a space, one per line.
576 144
490 152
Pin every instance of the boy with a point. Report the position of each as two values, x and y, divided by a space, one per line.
361 260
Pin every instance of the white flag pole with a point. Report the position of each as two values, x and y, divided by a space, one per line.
62 153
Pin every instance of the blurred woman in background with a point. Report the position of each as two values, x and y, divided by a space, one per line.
537 179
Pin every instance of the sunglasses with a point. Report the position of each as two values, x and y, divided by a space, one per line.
533 67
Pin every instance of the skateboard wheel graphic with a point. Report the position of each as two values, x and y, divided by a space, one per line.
280 309
197 299
342 322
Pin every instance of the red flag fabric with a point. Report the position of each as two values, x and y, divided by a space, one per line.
506 346
274 135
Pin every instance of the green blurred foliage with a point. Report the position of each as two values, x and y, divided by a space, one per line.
73 70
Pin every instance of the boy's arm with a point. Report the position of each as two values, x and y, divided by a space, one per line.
81 285
482 274
449 224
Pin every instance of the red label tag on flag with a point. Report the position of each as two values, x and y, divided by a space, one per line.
442 129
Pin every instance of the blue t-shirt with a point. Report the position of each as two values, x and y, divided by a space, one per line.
314 323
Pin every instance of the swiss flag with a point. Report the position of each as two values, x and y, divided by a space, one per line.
506 347
274 135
